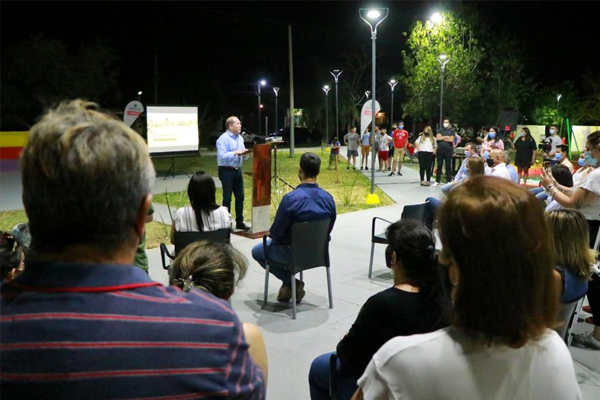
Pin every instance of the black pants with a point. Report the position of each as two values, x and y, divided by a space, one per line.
444 157
425 161
233 181
593 293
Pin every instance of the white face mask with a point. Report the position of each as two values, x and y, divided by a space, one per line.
446 125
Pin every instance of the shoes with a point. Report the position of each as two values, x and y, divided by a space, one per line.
587 309
391 174
361 168
435 184
285 293
390 168
399 173
587 340
242 226
347 167
427 184
300 293
366 168
589 320
422 183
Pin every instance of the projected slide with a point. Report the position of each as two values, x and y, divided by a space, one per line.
172 129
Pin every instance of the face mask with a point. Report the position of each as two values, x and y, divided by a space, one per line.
552 131
467 153
581 162
446 125
486 155
522 134
401 127
492 135
558 156
490 162
589 160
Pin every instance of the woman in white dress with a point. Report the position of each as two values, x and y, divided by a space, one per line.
203 214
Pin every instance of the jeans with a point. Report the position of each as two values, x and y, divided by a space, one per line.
447 188
540 194
444 157
425 161
233 181
279 257
318 379
432 206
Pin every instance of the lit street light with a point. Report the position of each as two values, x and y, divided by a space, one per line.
336 74
260 83
139 95
443 60
392 84
367 93
436 18
326 89
373 17
276 90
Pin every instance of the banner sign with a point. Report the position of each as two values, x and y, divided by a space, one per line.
366 115
132 111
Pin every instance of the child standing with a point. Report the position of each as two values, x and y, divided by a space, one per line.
335 152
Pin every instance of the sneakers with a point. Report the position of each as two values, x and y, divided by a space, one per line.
348 167
399 173
391 174
434 184
366 168
242 226
285 293
587 340
361 168
427 183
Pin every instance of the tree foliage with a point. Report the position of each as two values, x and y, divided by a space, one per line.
421 80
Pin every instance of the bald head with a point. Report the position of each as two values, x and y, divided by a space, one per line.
498 156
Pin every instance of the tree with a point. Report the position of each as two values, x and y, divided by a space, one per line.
588 110
421 79
549 111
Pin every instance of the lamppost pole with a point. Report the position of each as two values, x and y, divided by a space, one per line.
373 17
336 74
276 90
258 85
443 60
392 84
326 89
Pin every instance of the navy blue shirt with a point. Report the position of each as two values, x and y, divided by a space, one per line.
88 331
308 202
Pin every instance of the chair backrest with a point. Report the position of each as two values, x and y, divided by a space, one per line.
415 211
183 239
310 245
568 317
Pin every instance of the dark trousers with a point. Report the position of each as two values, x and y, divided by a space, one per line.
233 182
444 157
593 293
318 380
425 161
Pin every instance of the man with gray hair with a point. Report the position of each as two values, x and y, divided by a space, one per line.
81 321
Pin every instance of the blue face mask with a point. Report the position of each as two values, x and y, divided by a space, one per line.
589 160
522 134
558 156
400 126
492 135
552 131
467 153
486 155
581 162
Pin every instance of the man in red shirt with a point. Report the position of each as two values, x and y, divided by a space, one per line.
400 137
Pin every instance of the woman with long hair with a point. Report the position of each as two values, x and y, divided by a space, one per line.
526 153
493 140
203 214
500 343
414 304
425 145
217 268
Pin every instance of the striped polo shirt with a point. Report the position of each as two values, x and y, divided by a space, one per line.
88 331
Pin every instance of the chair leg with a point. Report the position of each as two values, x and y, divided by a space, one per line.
329 288
371 260
266 284
293 296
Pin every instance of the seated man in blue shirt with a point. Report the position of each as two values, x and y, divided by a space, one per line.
462 174
307 202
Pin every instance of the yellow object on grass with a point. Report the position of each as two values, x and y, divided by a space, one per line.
372 198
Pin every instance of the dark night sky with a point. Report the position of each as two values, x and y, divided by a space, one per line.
230 45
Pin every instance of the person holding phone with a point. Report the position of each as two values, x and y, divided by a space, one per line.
230 149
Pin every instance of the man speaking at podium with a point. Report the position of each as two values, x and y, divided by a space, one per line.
230 149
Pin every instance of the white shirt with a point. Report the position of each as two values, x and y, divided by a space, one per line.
499 170
592 183
425 145
185 220
567 164
384 143
445 365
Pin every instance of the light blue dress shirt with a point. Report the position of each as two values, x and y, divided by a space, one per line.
227 143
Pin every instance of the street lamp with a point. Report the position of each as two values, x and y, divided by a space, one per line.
326 89
260 83
558 96
373 17
392 84
436 18
276 90
139 95
443 60
367 93
336 74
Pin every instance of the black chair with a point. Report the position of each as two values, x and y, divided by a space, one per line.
183 239
309 249
414 211
568 316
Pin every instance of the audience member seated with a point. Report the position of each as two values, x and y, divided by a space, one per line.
203 214
574 258
217 268
82 321
415 304
308 202
463 172
500 344
475 167
564 178
561 157
11 257
512 171
496 165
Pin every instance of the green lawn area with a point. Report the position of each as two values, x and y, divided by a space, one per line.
349 188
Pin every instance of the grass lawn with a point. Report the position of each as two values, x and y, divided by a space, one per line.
349 188
156 232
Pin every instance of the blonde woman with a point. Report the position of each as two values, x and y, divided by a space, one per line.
425 145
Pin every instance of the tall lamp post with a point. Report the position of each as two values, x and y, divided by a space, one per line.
260 83
276 90
336 74
326 89
140 95
443 60
392 84
373 17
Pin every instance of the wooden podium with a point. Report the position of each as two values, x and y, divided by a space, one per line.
261 191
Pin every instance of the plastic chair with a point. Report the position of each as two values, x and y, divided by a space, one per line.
568 316
183 239
414 211
309 249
